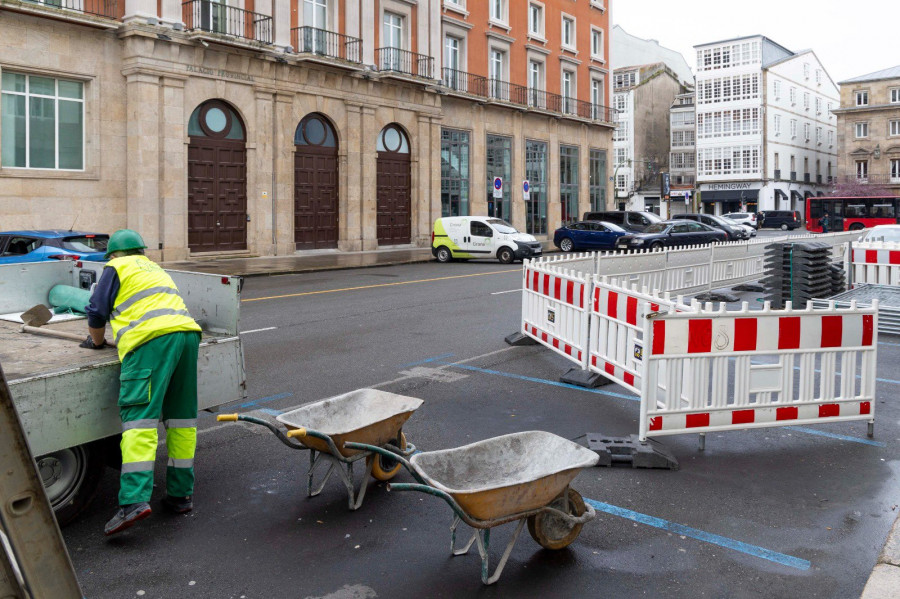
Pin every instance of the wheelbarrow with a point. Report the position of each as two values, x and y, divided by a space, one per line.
369 417
520 477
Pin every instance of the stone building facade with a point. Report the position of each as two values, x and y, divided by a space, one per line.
215 129
868 130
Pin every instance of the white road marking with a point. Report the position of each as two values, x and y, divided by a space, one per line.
502 292
258 330
438 375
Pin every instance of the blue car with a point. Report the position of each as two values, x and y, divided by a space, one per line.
588 235
55 244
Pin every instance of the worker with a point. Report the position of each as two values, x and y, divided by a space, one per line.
157 341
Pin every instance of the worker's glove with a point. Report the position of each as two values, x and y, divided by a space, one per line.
89 343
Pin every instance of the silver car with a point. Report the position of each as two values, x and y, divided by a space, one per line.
743 218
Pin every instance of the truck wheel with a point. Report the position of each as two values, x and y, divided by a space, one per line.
444 255
856 227
784 227
505 255
566 245
71 477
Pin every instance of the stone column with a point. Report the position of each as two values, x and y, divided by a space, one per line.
554 209
368 193
584 171
140 9
423 190
367 33
260 191
517 172
478 162
351 155
171 11
434 200
283 150
143 207
173 216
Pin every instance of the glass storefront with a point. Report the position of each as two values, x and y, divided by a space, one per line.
499 164
568 183
598 180
536 173
454 172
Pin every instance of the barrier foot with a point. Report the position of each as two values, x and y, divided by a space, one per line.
518 339
631 450
753 287
717 296
584 378
870 432
701 441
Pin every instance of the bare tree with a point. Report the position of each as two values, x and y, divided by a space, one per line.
853 187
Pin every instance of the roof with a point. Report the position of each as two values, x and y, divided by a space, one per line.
891 73
745 37
51 233
629 50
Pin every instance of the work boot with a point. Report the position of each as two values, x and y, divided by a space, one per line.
179 505
127 516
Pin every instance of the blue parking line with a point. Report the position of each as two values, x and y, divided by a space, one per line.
271 412
256 402
700 535
532 379
813 431
434 359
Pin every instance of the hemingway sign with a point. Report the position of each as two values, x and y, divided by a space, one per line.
726 186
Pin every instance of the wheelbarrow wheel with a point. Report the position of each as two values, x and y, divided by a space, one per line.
552 532
385 469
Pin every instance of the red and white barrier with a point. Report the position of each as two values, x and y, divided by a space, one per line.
876 263
555 308
715 371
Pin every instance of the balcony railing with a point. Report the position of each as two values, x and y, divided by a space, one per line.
205 15
819 179
404 61
778 174
863 179
806 178
507 92
326 43
467 83
101 8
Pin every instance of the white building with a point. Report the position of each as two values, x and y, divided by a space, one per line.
765 132
682 154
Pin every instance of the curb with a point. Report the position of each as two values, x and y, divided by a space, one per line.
884 581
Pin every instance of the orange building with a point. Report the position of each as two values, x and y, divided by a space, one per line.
265 127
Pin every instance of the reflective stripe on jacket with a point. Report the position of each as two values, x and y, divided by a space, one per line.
148 304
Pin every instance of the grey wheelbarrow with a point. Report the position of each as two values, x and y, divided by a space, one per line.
520 477
369 417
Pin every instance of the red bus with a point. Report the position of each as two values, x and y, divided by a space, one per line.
851 214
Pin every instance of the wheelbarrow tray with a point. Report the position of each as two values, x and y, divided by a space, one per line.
505 475
367 416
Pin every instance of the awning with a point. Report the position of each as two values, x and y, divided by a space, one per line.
780 195
796 195
730 195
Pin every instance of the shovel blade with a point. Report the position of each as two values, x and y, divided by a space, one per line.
37 316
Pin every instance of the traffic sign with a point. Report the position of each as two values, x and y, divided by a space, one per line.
498 188
526 190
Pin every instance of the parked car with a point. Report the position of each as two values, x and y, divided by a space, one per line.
467 237
37 246
780 219
671 233
587 235
889 233
748 231
743 218
734 231
629 220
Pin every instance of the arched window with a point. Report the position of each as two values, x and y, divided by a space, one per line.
315 130
216 119
393 139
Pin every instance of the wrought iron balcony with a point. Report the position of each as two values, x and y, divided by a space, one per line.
777 174
404 61
100 8
863 179
507 92
205 15
806 178
326 43
463 82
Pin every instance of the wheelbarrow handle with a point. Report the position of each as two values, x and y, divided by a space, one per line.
424 488
296 433
284 438
388 454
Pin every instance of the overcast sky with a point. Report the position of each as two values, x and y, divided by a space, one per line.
850 38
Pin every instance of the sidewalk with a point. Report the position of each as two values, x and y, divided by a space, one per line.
884 582
301 262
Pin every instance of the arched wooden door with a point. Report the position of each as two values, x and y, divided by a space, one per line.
394 189
315 184
217 179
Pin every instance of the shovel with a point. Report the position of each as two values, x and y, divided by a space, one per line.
38 316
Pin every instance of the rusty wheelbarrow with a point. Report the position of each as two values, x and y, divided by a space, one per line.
369 417
520 477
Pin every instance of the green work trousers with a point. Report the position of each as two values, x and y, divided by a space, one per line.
159 382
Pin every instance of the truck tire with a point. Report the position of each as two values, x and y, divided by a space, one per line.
856 227
443 254
505 255
71 477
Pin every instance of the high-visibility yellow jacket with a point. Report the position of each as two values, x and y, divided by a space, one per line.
147 305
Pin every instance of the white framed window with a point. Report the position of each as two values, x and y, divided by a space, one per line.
777 89
806 131
535 75
830 106
862 169
776 161
597 43
862 130
777 126
452 52
628 79
830 138
894 128
497 73
568 90
818 76
315 14
818 136
806 70
793 163
498 10
806 100
568 32
392 32
895 95
895 170
793 128
42 122
536 19
862 98
597 92
818 105
793 96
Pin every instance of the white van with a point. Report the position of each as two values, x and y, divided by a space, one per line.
480 237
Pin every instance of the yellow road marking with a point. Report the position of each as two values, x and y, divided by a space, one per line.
478 274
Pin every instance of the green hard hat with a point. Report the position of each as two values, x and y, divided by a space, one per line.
124 239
